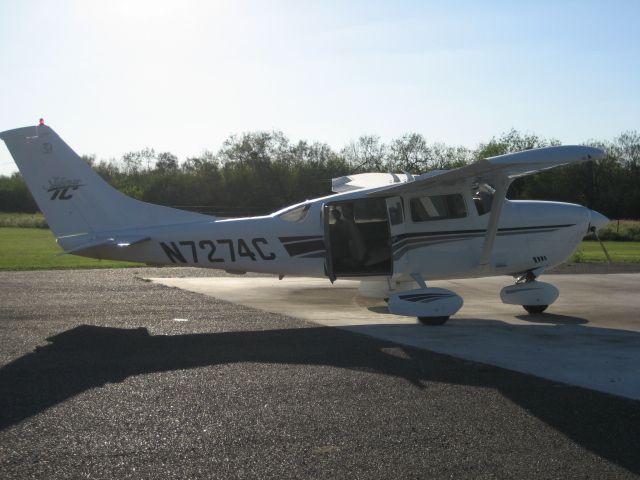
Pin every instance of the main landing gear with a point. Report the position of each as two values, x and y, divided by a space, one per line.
432 306
535 308
534 296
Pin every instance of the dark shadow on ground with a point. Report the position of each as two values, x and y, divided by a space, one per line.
88 356
552 319
549 318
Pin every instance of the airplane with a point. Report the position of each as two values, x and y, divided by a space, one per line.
393 232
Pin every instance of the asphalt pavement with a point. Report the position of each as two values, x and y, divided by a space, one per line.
105 375
589 337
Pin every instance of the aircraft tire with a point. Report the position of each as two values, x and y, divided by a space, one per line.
433 320
535 308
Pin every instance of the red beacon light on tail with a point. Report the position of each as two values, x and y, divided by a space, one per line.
41 122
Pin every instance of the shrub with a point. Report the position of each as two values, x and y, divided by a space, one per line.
23 220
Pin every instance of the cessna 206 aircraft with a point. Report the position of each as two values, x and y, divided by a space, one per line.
394 232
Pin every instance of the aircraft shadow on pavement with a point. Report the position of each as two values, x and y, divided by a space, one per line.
90 356
552 319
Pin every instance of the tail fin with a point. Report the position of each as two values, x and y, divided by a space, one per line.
74 199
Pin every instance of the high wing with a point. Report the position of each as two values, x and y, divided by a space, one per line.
499 172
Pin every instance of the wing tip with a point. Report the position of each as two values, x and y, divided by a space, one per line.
557 154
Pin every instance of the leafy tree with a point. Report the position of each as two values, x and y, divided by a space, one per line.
510 142
409 153
15 196
367 154
167 163
141 160
258 172
444 157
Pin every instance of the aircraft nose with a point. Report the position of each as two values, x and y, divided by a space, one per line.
597 220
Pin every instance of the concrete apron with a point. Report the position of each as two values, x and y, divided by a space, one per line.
589 338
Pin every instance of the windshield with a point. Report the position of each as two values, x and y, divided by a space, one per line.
482 195
296 214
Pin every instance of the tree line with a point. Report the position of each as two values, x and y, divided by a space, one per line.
259 172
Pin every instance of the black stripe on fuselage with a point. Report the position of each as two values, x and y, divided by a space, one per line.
304 246
471 232
300 239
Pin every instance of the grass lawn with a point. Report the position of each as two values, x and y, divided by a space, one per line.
36 248
619 252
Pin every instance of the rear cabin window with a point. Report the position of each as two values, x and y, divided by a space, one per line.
438 207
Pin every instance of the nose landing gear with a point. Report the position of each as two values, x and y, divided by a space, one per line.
532 295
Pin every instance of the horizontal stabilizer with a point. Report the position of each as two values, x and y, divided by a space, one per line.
118 242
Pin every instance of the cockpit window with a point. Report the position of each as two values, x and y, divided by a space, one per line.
437 207
297 214
482 195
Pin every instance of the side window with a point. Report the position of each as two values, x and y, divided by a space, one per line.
370 210
437 207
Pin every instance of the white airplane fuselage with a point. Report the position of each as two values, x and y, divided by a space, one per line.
531 234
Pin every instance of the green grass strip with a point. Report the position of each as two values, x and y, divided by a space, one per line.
589 252
36 249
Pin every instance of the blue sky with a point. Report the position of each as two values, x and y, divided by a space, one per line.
181 76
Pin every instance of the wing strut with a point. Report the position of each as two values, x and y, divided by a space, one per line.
492 228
